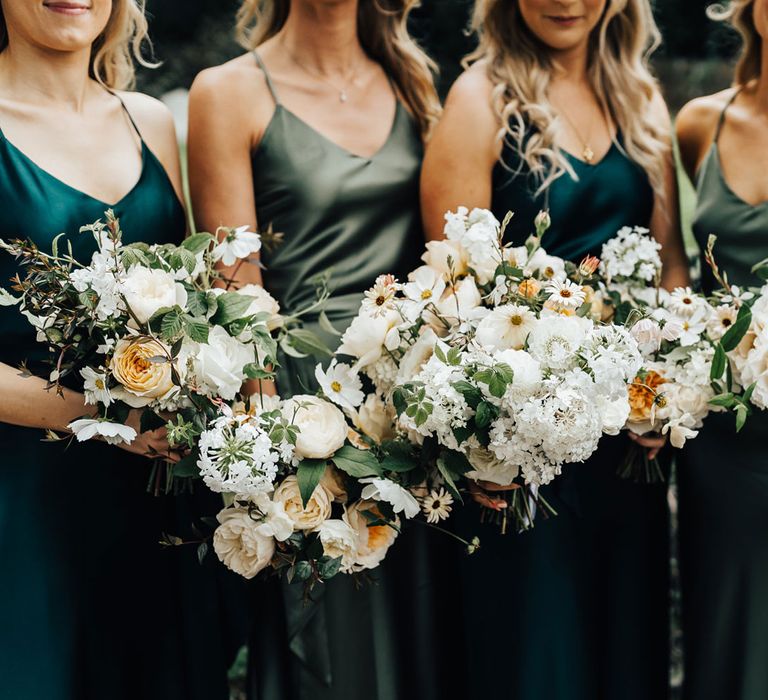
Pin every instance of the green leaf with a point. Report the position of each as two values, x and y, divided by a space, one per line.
398 463
328 568
486 412
308 343
256 371
308 474
725 400
197 304
462 434
497 386
357 463
457 462
289 350
150 421
187 468
472 395
171 326
738 330
202 551
326 324
197 242
454 357
741 417
231 306
747 397
196 330
440 354
183 258
718 363
449 479
302 571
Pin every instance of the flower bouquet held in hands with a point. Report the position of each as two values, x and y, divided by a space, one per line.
493 360
156 329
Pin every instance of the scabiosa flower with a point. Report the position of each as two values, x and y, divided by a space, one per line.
340 384
564 294
437 505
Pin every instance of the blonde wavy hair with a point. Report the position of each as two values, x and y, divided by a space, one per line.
740 14
115 50
382 28
520 68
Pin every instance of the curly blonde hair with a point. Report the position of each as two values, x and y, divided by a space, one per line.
383 31
520 68
117 49
740 15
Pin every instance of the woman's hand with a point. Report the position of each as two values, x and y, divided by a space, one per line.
151 444
652 441
479 491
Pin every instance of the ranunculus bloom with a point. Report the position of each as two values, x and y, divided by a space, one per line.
146 291
339 540
142 379
322 428
263 302
240 545
318 508
642 394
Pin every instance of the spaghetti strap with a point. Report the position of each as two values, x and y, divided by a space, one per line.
721 121
127 114
270 84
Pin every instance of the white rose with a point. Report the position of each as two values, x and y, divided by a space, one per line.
486 467
339 540
322 428
647 333
614 414
219 364
318 508
458 303
376 419
263 302
366 335
438 254
373 542
146 291
240 545
416 356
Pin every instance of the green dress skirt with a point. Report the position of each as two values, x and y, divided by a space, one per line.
91 606
356 218
577 608
723 491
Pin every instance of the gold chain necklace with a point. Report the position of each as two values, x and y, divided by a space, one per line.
343 91
587 153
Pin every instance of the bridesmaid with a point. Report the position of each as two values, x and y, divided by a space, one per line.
724 514
558 111
91 605
317 132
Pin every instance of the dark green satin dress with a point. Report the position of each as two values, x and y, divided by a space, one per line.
577 608
723 490
358 217
91 606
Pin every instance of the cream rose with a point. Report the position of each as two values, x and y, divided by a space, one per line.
322 428
376 419
333 482
339 540
141 380
372 542
318 508
486 467
146 291
416 356
240 545
366 336
438 253
263 302
219 363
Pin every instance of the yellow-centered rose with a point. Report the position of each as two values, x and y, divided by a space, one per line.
136 366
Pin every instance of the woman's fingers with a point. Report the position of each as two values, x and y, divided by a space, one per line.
481 497
490 486
654 443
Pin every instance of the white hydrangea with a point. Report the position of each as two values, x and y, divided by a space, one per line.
632 257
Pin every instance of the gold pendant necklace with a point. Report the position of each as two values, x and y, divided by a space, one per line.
587 153
342 91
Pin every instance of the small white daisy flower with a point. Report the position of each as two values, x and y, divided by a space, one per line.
437 505
565 294
340 384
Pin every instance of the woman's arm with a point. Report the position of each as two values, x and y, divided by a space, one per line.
461 154
665 219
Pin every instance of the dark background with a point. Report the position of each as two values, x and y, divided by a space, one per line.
190 35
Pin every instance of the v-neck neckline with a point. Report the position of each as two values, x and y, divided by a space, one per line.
72 188
338 147
726 185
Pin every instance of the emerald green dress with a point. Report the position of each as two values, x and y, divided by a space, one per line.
91 606
723 490
575 609
358 217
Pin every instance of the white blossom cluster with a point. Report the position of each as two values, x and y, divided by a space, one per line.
631 257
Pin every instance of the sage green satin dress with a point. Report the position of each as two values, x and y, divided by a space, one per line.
359 218
577 608
723 490
91 606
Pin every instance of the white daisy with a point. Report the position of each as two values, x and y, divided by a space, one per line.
437 505
565 294
683 302
426 285
341 384
506 327
95 387
721 321
380 298
238 243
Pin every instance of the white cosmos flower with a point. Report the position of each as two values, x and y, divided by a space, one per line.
112 433
341 384
401 500
95 386
565 294
506 327
548 266
692 328
678 431
426 285
7 299
238 244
